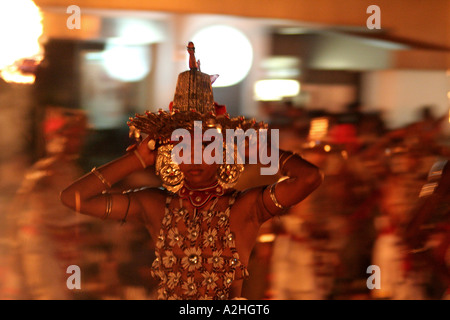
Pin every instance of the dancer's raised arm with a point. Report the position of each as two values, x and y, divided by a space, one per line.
91 193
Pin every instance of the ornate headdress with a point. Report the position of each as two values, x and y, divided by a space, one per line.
193 101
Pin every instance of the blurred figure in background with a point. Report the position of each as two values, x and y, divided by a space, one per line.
308 239
407 153
361 211
48 237
399 195
428 233
45 232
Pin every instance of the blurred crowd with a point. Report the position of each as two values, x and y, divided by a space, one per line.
42 238
375 185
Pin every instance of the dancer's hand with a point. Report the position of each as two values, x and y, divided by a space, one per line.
144 153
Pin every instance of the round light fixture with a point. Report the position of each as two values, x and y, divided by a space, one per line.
127 63
225 51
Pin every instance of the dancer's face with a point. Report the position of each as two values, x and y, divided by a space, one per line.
198 175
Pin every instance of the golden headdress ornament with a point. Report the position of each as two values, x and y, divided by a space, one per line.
193 101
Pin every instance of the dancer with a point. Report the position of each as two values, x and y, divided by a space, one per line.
204 230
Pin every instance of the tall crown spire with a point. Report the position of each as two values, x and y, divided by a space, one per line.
194 89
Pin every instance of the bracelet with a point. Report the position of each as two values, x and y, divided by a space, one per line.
128 207
285 160
108 206
262 200
274 199
140 158
101 177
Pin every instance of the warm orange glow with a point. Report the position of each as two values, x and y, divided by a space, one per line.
268 237
319 129
21 25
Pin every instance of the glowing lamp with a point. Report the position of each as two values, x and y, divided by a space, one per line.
227 52
127 63
21 28
276 89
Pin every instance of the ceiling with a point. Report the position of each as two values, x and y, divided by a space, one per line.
420 30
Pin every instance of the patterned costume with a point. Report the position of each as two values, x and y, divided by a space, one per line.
196 257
